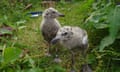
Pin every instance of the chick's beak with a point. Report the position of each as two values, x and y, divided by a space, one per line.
61 15
55 40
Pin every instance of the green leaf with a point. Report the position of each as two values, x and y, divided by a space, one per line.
21 27
101 26
118 36
115 22
11 54
1 59
31 61
106 42
5 31
113 29
59 69
20 22
91 58
34 70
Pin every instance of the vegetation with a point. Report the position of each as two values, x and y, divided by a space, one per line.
22 49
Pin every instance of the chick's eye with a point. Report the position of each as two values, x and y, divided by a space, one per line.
53 12
46 13
64 34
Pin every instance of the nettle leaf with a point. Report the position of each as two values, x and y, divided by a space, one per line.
113 29
118 36
11 54
115 22
94 17
106 42
101 26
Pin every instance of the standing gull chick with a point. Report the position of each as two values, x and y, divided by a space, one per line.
71 38
50 25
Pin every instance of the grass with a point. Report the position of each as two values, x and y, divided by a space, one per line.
31 39
28 39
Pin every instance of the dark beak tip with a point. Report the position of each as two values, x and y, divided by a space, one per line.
62 15
54 41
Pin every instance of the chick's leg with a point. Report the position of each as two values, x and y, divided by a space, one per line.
57 59
47 53
72 61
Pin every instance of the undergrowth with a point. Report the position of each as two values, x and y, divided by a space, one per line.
24 50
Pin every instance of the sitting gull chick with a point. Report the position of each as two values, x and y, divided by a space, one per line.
71 38
50 25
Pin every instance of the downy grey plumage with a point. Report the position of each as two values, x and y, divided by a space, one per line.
50 25
71 38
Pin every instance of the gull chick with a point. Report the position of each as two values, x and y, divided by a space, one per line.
72 38
50 25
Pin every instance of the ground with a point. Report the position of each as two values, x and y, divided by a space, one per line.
30 38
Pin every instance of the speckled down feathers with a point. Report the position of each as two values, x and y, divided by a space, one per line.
75 37
49 25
